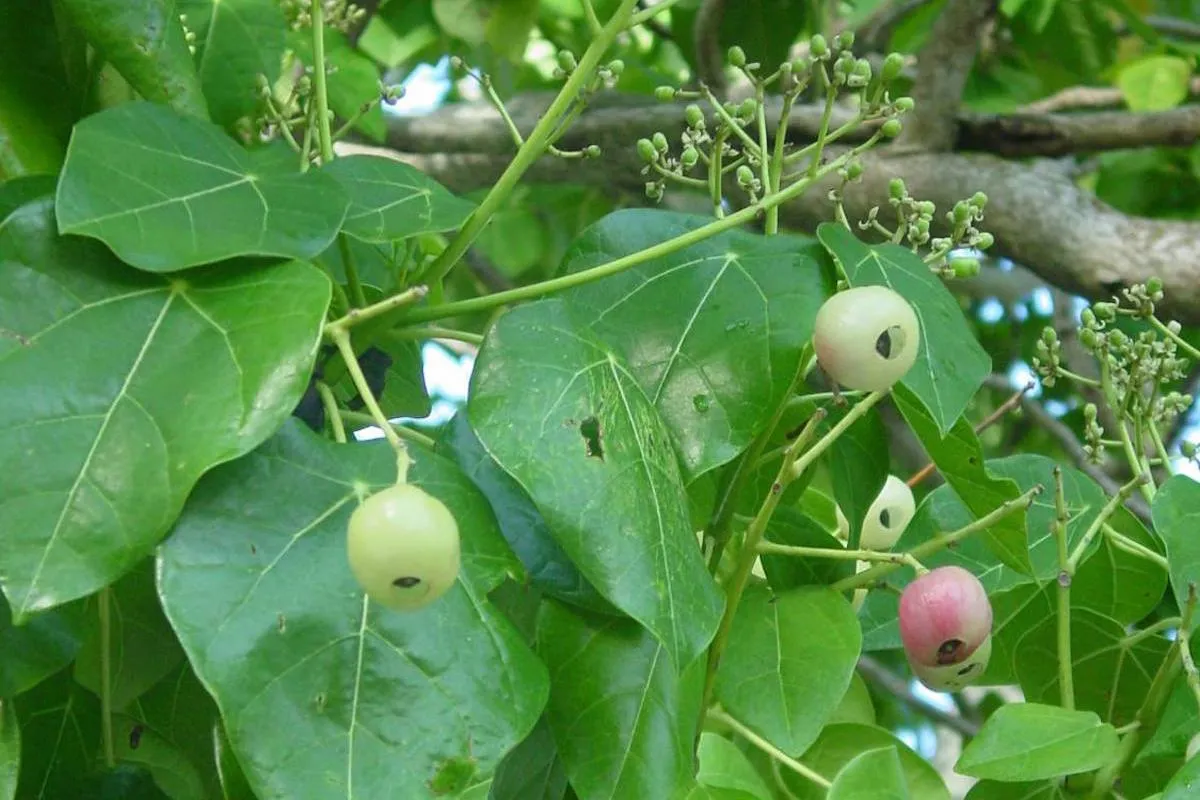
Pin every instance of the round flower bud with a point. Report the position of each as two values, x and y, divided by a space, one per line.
893 65
665 93
737 56
887 517
818 46
646 151
891 129
866 338
946 627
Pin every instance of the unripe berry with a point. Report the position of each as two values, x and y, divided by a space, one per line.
694 116
689 157
818 46
896 188
891 129
887 517
866 338
946 628
646 151
892 67
1154 285
660 142
903 105
985 241
844 40
737 56
665 93
403 547
566 61
965 267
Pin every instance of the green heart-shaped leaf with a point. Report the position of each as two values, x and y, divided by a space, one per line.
563 415
1030 741
166 192
158 379
789 660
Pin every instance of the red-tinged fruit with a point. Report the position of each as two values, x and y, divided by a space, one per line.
946 626
866 338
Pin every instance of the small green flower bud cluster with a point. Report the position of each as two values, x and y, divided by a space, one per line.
337 15
1048 361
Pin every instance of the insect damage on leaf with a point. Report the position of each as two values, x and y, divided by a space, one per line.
590 430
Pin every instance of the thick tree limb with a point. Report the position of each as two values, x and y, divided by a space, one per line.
1041 219
942 69
617 120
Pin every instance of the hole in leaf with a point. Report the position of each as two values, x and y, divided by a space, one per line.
589 429
406 582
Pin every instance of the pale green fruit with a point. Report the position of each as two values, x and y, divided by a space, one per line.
403 547
955 677
866 338
886 519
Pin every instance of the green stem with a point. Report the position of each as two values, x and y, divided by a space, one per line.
359 418
320 82
106 709
1135 463
341 338
1160 447
1110 508
535 144
823 131
833 553
856 413
331 412
1150 630
735 220
938 543
356 290
1180 342
436 332
1123 542
649 13
715 172
356 316
1066 570
770 749
1185 648
749 553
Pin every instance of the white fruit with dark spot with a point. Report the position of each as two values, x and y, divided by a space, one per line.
866 338
887 517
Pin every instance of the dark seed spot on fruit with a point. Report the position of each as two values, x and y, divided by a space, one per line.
968 669
407 582
885 518
135 737
590 430
948 652
883 345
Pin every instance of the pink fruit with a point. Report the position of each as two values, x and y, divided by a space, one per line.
946 626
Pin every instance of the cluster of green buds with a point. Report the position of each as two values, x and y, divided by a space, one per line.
338 14
1093 434
728 140
1047 361
1137 365
914 222
608 74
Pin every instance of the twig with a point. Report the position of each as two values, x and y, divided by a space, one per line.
885 679
1086 97
770 749
1185 648
1066 570
938 543
1067 440
991 419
